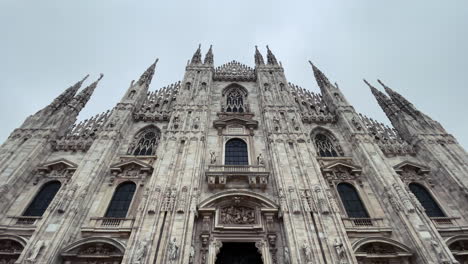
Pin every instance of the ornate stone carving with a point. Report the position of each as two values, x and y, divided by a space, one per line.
307 252
98 249
234 71
294 201
66 199
182 200
35 251
439 252
321 201
140 252
173 250
404 198
340 252
287 256
237 215
212 157
10 246
260 159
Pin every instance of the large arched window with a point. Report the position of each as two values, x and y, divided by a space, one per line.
325 147
145 142
121 200
235 101
43 199
236 152
426 200
351 201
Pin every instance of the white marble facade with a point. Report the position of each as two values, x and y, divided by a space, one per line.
191 200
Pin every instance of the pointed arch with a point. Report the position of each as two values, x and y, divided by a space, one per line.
43 198
236 98
427 201
351 201
326 143
121 200
145 141
236 152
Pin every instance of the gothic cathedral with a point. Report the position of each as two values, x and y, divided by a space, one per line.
232 165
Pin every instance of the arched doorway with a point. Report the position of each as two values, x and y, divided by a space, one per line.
238 253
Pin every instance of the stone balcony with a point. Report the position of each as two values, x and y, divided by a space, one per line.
109 225
237 176
365 225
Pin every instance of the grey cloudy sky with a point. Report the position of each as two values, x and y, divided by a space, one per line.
418 47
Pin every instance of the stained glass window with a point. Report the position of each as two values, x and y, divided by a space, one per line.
426 200
236 152
43 199
351 201
121 200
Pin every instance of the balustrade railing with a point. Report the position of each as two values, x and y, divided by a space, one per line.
362 222
24 220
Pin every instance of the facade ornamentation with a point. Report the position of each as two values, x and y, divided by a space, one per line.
237 215
158 178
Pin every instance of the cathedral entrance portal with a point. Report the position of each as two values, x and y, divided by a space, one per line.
238 253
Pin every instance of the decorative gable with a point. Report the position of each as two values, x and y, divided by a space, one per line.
234 71
132 168
57 168
340 170
410 172
411 166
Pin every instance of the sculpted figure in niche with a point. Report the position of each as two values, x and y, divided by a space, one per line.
173 250
141 251
260 159
237 215
307 252
35 251
212 157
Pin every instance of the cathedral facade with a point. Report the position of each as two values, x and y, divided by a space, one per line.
232 165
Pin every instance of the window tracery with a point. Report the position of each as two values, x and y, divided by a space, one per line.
235 102
145 142
325 147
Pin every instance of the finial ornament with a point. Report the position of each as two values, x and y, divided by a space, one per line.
197 58
147 76
209 58
258 57
271 59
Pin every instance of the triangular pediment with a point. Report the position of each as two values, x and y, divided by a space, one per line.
420 169
341 165
60 164
225 120
132 163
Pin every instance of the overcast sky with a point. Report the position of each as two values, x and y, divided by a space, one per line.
419 48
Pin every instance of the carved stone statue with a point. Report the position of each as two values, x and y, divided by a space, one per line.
213 157
338 245
287 257
140 252
173 250
439 252
260 159
35 251
217 247
307 252
192 254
